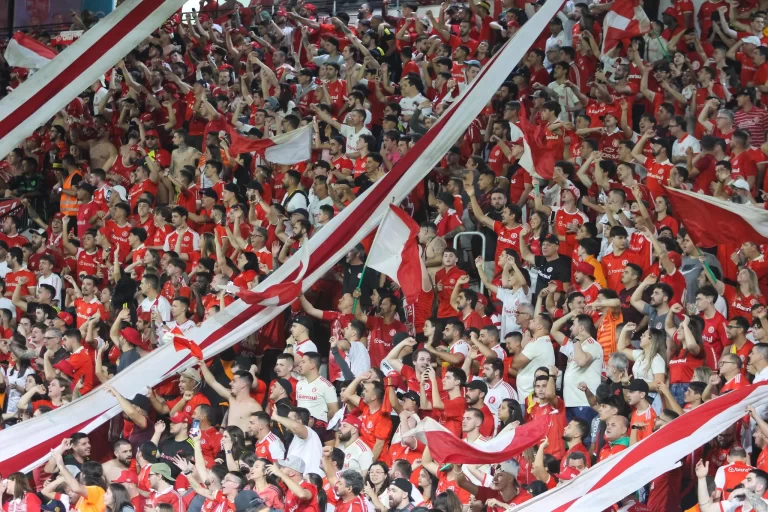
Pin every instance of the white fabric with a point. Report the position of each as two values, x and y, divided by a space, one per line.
540 353
510 300
574 374
315 397
640 369
292 147
240 319
352 136
310 450
357 456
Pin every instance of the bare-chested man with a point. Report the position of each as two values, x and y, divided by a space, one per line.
433 247
102 152
183 154
122 461
241 404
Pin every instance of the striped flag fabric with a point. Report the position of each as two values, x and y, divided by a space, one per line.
24 51
72 71
287 148
280 294
27 446
625 472
625 20
446 448
396 254
711 221
537 158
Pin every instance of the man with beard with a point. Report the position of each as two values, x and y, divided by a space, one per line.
183 155
508 230
376 424
504 489
103 152
421 360
81 451
267 444
357 454
399 492
474 396
498 390
659 167
238 395
122 461
746 499
657 307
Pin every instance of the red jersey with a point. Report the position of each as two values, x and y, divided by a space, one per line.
380 337
506 238
448 280
294 504
658 176
713 338
556 414
376 426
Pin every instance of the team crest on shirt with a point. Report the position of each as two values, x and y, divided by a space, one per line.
549 269
314 390
624 262
349 455
711 329
492 400
392 332
369 425
615 143
452 281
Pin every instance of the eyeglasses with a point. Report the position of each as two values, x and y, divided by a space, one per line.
733 326
721 363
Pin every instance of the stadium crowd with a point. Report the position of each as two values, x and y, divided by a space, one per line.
582 298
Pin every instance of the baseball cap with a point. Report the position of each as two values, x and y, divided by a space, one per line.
209 192
558 285
293 462
55 505
37 231
127 477
511 467
142 402
751 40
740 183
120 190
482 299
231 187
145 118
411 395
585 268
551 239
675 258
403 484
286 385
87 187
301 211
477 384
638 385
354 421
567 474
537 94
161 469
303 320
152 133
65 367
133 337
191 373
180 417
248 499
66 317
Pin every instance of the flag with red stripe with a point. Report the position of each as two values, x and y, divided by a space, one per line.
445 447
711 221
72 71
625 472
537 158
280 294
24 51
625 20
395 253
286 148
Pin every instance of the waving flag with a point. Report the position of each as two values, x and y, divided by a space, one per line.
280 294
24 51
622 474
27 445
75 69
534 142
625 20
711 221
445 447
8 206
181 343
286 148
396 254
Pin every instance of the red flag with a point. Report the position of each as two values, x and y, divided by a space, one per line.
533 138
711 221
277 295
396 254
287 148
445 447
180 343
27 52
625 20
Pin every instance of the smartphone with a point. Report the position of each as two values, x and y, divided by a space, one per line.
195 430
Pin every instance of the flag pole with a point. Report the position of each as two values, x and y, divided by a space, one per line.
365 263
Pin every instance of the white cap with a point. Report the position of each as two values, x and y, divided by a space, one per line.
120 192
751 40
740 183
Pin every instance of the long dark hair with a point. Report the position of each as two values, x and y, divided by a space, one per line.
322 498
433 484
385 484
238 441
121 498
515 411
20 485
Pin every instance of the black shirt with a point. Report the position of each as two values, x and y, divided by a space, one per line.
352 275
558 269
171 448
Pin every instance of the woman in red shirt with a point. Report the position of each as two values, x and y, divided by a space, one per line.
23 499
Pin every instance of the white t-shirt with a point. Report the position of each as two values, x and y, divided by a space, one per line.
357 456
540 353
305 346
315 397
680 148
7 304
511 300
574 374
314 207
737 505
496 394
358 358
310 450
409 105
55 281
351 135
639 369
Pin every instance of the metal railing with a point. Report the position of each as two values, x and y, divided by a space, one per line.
471 233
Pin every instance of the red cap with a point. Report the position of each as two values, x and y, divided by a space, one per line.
63 315
127 477
310 7
133 337
135 148
145 118
567 474
181 417
145 316
558 285
585 268
354 421
675 258
65 367
171 88
482 299
23 72
153 133
58 215
671 11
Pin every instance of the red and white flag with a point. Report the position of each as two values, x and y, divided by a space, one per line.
625 20
286 148
537 158
446 448
711 221
395 253
618 476
278 294
24 51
